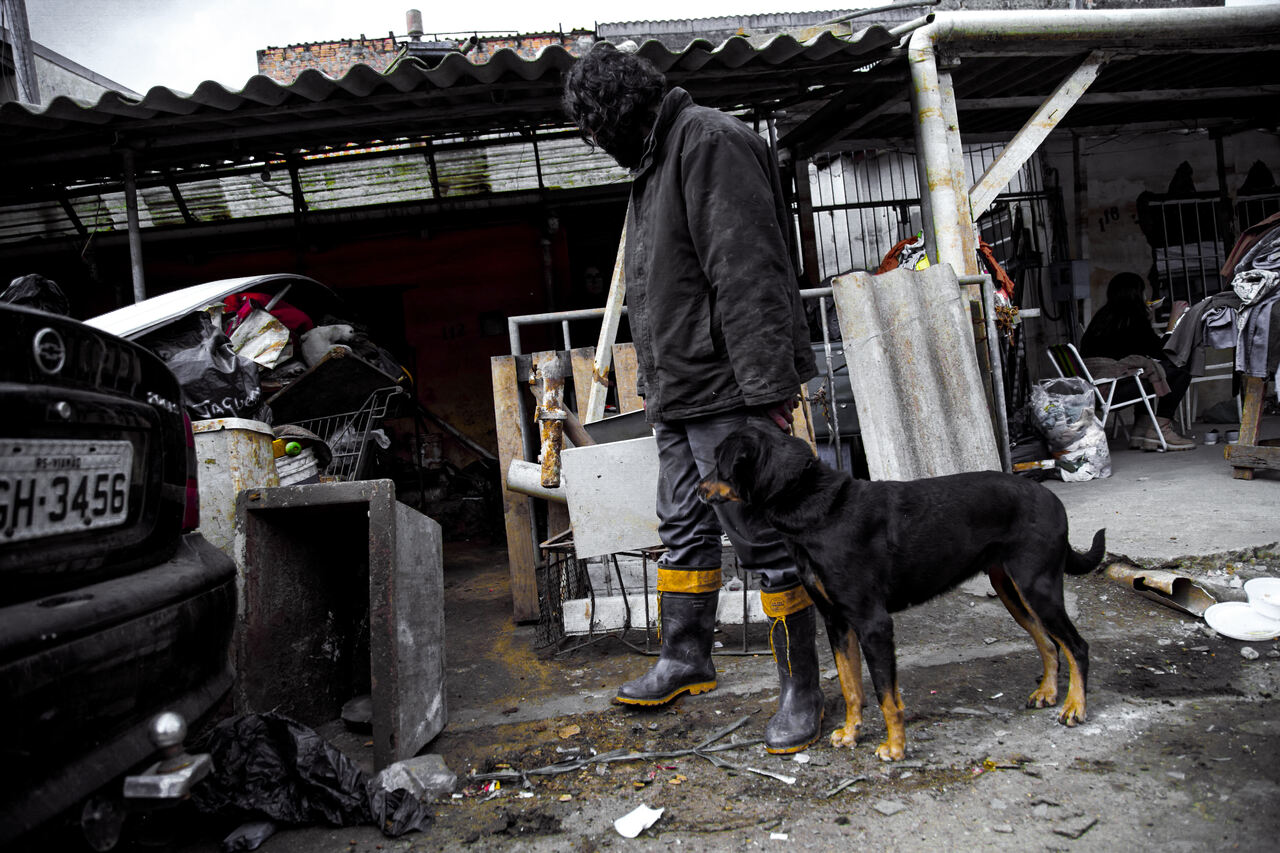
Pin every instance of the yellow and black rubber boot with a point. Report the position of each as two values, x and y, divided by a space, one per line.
687 600
792 639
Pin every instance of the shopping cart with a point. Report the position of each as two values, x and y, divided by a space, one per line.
349 434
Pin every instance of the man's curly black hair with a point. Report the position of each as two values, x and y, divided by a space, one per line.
611 95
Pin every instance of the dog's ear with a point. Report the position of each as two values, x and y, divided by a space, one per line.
770 463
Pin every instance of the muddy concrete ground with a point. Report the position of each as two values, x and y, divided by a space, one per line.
1181 750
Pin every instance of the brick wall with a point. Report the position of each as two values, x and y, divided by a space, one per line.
336 58
527 46
284 64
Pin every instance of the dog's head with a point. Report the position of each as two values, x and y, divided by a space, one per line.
755 464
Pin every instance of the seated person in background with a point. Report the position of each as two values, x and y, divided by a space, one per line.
1121 330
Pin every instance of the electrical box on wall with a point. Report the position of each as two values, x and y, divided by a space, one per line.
1069 280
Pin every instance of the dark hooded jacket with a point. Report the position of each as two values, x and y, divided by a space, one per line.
712 298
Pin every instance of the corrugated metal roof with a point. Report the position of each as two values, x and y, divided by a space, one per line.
70 140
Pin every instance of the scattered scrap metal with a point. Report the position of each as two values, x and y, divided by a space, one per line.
704 749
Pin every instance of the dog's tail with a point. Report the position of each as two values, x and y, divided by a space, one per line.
1081 564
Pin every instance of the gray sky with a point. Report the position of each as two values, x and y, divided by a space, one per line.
180 43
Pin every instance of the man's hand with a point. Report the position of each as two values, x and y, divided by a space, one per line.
781 414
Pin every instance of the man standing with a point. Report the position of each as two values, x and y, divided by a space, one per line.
720 336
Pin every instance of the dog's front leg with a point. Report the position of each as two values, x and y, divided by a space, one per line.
844 645
877 645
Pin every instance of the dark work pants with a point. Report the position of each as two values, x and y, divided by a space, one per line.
1179 379
689 528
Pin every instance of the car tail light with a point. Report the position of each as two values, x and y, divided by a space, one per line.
191 511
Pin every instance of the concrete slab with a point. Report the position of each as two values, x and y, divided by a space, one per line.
343 595
1161 506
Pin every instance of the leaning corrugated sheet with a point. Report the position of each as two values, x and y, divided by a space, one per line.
908 339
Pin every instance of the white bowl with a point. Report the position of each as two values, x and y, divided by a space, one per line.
1264 596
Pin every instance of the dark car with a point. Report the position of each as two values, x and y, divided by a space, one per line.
111 610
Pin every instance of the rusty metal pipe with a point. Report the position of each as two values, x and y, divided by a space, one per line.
526 478
551 418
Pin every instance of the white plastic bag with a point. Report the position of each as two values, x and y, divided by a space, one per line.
1062 409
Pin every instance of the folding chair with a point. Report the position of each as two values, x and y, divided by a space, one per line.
1066 359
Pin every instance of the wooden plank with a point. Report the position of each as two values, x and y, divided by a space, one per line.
608 331
582 361
1036 130
802 425
626 378
517 511
1247 457
1250 424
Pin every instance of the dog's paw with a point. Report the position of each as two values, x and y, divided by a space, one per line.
1043 697
845 737
887 752
1072 715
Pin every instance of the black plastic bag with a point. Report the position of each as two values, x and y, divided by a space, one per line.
36 291
269 766
216 381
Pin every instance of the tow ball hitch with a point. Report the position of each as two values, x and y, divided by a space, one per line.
177 771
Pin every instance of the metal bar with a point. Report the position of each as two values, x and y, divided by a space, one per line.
944 186
299 197
1094 99
1227 224
179 200
24 63
135 232
537 161
514 323
965 215
901 4
70 211
805 210
432 170
997 375
834 438
1148 27
1037 128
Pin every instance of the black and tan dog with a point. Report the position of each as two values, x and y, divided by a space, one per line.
868 549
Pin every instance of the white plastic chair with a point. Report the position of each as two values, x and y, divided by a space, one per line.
1223 371
1067 361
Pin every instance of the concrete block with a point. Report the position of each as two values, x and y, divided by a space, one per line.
343 595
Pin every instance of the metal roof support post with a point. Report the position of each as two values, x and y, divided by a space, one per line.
24 63
965 217
942 190
135 233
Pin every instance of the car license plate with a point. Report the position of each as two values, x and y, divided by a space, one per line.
49 487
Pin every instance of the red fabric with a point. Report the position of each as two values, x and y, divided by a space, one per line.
894 256
1003 282
238 305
